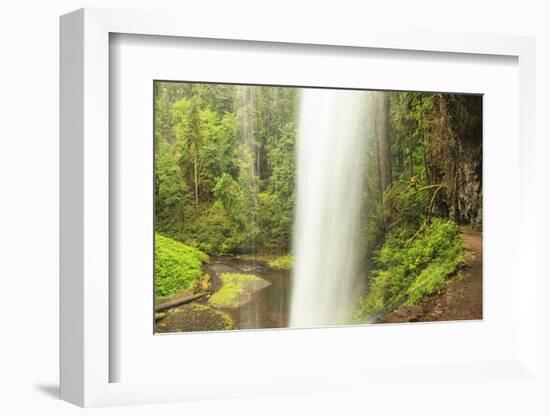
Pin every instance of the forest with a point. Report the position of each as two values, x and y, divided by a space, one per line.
225 207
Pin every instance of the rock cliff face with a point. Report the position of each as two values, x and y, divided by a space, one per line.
454 156
469 193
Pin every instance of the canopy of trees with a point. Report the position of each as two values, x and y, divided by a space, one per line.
224 177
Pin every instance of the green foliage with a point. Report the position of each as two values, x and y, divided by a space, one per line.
412 263
189 126
410 116
405 203
177 266
431 279
210 230
224 177
172 195
232 287
276 205
228 193
284 262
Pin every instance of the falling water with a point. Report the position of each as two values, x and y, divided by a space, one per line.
330 149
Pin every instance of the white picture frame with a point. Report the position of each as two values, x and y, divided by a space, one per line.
85 165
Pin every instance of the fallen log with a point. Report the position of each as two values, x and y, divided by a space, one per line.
177 302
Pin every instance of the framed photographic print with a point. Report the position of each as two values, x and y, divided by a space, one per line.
282 207
321 201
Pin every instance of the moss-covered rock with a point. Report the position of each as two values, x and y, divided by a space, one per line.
236 289
194 317
283 263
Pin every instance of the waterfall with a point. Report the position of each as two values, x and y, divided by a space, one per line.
331 145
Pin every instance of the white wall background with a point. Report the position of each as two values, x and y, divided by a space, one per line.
29 207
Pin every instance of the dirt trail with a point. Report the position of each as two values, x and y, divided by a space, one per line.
460 300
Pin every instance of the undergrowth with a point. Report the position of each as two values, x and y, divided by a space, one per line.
412 264
177 266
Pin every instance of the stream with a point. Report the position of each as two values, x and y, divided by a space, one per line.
268 307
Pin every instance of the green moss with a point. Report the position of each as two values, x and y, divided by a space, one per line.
177 266
159 315
227 321
412 264
194 317
232 287
284 262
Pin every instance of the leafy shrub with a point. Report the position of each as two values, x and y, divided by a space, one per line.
177 266
412 264
212 230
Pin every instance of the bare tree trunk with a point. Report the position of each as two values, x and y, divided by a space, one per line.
410 138
379 166
384 140
425 157
411 166
196 180
400 157
258 160
457 185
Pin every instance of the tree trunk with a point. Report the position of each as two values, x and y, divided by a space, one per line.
196 180
384 141
400 157
380 185
179 301
425 157
410 140
457 185
411 150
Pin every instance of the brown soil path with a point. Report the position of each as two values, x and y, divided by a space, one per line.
460 300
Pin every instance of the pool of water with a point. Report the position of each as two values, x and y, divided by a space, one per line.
268 307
